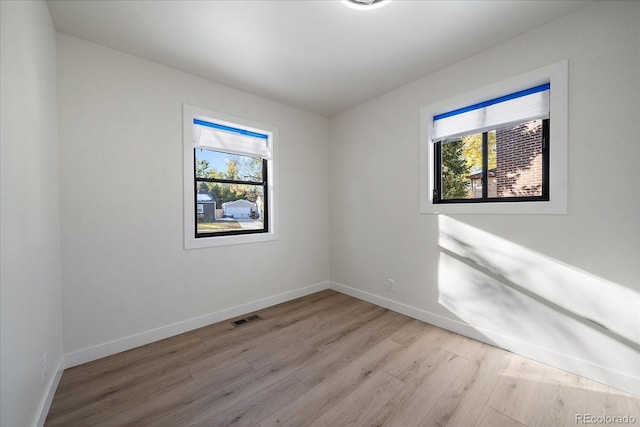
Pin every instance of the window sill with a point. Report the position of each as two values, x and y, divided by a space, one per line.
208 242
497 208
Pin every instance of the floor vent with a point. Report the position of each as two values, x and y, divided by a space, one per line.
246 320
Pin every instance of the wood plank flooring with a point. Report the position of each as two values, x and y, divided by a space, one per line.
326 360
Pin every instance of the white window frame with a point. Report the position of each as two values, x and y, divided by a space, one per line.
557 74
190 241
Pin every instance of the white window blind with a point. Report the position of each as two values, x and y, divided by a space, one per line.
229 139
518 107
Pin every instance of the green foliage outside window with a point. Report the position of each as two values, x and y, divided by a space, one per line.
455 184
238 168
472 151
460 158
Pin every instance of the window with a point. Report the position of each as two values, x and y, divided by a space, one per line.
229 192
494 151
503 143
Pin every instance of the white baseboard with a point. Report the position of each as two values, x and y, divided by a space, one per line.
112 347
599 373
47 398
603 374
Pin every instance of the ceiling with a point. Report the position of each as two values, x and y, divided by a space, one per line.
320 56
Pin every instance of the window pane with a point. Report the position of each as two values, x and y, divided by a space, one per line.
216 164
462 167
518 169
229 207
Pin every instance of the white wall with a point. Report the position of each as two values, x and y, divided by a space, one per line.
30 242
532 284
125 270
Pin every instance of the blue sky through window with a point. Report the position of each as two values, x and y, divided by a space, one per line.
216 159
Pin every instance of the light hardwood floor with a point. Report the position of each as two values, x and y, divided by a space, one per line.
327 360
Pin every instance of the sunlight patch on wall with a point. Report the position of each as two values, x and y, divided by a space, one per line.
496 285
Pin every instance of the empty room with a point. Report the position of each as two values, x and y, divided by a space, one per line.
320 213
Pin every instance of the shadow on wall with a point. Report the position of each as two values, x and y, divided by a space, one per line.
523 296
